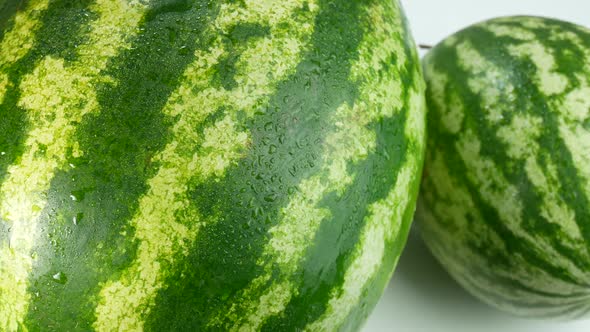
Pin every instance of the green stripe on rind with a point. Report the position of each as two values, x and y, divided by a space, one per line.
127 301
90 240
349 143
243 205
17 41
505 195
385 227
21 37
350 206
8 11
46 143
387 219
280 130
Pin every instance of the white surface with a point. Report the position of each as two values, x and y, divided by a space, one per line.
421 296
433 20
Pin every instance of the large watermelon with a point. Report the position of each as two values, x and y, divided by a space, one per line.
505 203
204 165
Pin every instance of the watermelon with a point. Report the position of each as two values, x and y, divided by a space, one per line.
188 165
505 199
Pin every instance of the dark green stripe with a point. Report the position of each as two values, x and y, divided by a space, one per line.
521 73
570 58
332 251
14 124
246 203
8 9
109 178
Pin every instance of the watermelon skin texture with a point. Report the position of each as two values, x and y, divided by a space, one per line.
505 197
204 165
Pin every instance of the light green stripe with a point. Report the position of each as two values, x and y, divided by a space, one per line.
495 189
460 211
549 81
487 81
301 219
458 236
574 108
126 302
4 85
503 197
52 95
456 210
577 140
521 137
18 41
382 225
352 141
452 113
502 30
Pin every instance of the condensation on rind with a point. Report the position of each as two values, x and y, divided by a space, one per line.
55 96
384 221
192 156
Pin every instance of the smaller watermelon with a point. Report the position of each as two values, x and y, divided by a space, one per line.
505 200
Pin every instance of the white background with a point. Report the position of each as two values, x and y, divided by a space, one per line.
421 296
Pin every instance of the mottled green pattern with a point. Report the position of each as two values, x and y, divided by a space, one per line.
111 174
505 202
283 140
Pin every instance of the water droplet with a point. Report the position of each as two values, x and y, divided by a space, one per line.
272 149
183 50
77 218
78 195
265 141
60 278
271 197
268 220
258 211
247 224
268 126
